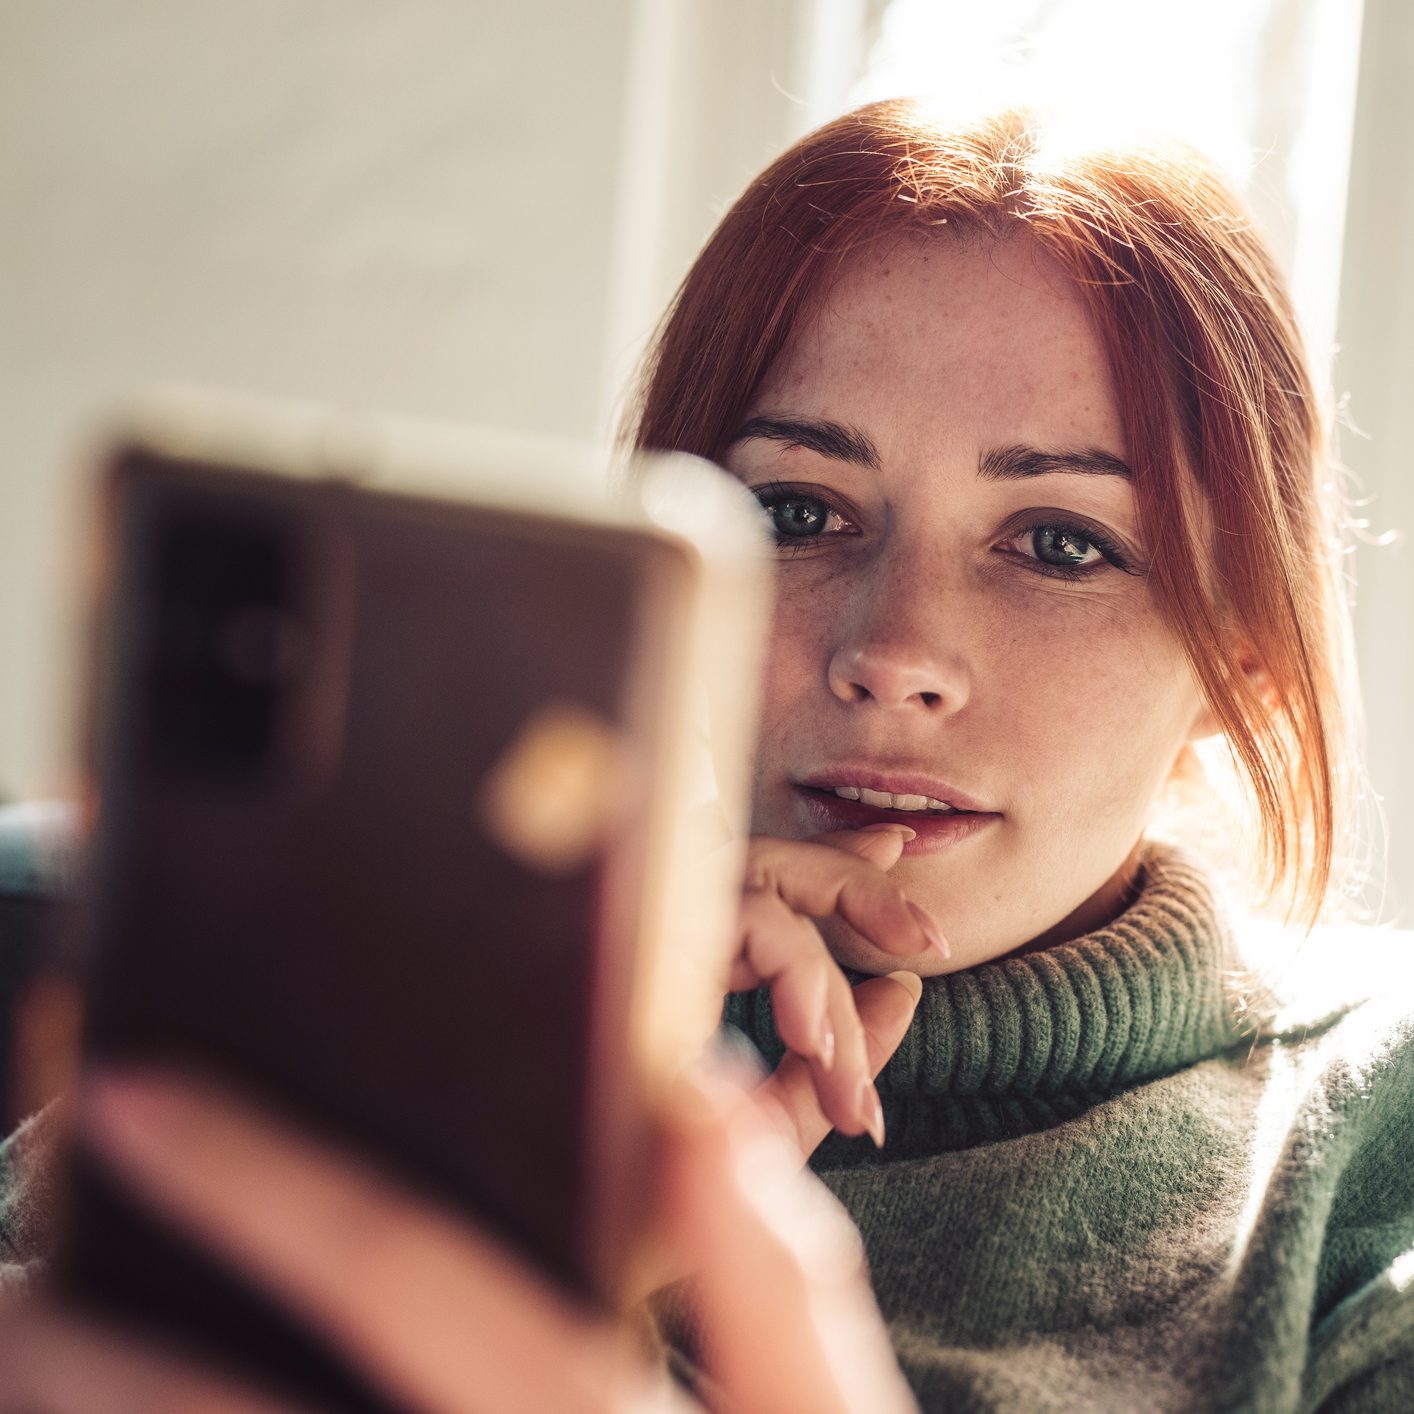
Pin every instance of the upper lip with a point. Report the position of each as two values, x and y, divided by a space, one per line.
897 782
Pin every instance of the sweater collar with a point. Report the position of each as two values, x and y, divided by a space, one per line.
1060 1028
1140 998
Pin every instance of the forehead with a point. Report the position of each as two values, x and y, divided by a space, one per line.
947 338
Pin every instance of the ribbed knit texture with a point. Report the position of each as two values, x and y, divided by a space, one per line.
1025 1042
1115 1180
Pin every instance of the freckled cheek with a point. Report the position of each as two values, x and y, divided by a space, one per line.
1082 705
792 688
796 655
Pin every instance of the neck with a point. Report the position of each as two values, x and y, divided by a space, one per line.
1106 904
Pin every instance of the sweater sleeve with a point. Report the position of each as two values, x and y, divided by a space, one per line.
28 1160
1363 1353
1377 1387
1362 1338
1377 1390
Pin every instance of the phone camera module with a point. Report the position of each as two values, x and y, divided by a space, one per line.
224 645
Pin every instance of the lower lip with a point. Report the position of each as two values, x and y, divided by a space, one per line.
935 832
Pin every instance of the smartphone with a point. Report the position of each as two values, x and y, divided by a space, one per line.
403 757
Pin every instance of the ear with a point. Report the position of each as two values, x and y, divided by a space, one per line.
1205 722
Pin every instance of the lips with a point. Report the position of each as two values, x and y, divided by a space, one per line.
962 817
895 783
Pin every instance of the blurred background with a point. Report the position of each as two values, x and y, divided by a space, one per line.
478 210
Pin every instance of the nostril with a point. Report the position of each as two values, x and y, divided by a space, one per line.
891 677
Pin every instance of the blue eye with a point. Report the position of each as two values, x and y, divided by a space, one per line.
797 518
1065 549
1062 546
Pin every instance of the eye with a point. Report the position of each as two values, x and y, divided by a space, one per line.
798 517
1063 546
1065 549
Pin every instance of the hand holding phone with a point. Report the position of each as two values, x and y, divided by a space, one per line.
395 837
392 840
439 1315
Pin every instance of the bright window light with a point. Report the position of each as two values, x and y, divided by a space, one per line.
1264 87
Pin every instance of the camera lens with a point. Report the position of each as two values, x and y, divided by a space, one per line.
224 642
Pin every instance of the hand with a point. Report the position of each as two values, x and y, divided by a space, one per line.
839 1037
434 1312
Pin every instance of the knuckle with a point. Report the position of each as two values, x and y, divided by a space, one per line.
761 905
764 854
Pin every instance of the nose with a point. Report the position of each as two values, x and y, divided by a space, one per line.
899 657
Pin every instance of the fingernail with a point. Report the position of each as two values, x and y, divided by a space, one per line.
874 1112
826 1044
907 831
925 921
911 983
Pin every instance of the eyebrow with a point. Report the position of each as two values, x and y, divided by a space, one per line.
1017 462
848 444
829 439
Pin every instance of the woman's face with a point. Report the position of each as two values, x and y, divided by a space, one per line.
963 613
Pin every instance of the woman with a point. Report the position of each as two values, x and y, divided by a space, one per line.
1048 481
1045 469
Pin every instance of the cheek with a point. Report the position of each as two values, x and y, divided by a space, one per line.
794 676
1098 699
809 607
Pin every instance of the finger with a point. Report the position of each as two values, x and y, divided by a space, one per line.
881 845
820 880
885 1006
812 1004
784 951
434 1312
845 1093
776 1254
61 1364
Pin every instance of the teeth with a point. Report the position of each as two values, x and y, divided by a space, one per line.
885 800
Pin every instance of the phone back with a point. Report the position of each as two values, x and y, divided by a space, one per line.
382 791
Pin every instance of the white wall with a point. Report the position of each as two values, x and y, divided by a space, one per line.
354 200
463 208
1375 372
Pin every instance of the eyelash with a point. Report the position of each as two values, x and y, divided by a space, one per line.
1111 553
774 493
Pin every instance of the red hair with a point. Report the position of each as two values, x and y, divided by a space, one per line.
1221 424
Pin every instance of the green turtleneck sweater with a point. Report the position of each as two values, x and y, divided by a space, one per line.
1131 1173
1142 1170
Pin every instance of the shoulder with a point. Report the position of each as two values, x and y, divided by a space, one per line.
1335 1050
1333 1011
1298 984
1331 1015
